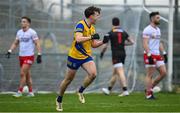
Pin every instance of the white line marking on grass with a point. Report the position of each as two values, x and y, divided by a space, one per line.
99 104
90 112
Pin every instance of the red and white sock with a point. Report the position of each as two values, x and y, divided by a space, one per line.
20 89
30 89
149 93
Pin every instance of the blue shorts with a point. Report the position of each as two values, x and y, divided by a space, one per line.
73 63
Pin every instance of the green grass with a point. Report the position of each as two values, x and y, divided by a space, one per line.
136 102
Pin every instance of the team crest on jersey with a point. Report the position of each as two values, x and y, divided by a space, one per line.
153 35
92 32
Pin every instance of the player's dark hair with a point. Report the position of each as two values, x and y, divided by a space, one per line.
152 14
91 10
115 21
27 18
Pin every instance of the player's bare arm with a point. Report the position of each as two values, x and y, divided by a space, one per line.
146 48
104 47
161 47
103 50
38 45
14 45
80 38
129 41
145 44
162 50
96 43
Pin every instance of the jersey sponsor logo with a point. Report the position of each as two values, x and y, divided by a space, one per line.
155 35
25 40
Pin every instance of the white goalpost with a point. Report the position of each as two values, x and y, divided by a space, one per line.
170 44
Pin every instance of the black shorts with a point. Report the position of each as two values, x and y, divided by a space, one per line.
119 58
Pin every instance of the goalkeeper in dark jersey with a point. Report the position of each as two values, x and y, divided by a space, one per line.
118 39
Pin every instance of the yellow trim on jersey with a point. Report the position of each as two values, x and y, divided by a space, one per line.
86 46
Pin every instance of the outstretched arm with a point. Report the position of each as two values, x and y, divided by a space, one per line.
103 50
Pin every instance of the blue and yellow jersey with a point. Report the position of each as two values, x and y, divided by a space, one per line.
82 50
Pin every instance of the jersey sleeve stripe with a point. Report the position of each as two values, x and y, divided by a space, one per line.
79 27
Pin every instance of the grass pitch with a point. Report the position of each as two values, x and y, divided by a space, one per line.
165 102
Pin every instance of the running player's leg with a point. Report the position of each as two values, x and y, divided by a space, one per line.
67 80
90 68
70 74
122 79
162 72
121 75
111 83
112 80
148 81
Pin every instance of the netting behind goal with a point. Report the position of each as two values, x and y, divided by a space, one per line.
56 36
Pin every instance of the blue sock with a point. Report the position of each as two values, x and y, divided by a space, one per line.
59 99
81 89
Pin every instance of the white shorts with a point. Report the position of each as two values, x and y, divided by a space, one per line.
158 61
118 65
157 64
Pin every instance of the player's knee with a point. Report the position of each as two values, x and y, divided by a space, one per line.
149 75
93 75
24 71
65 82
22 74
163 73
68 80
